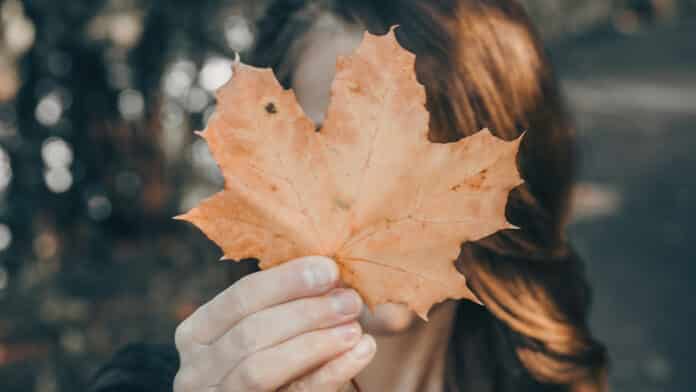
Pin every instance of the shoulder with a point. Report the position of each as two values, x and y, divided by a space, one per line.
138 367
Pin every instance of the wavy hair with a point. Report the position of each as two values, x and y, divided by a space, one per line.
483 66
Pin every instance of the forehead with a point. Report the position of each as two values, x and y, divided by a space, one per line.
315 63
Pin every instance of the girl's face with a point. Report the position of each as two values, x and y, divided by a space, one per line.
312 77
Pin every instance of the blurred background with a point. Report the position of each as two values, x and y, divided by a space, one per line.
98 101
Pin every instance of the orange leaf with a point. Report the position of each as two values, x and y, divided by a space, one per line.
370 190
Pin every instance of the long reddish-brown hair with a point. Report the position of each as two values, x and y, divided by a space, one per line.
483 66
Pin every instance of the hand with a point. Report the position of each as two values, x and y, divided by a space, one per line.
286 327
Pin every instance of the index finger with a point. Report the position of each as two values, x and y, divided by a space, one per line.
303 277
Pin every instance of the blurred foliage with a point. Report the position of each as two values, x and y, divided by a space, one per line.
560 18
98 100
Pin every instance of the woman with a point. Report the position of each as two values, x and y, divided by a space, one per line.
292 328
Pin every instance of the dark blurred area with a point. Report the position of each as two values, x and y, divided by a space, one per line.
98 101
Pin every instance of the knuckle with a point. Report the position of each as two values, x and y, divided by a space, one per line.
219 352
319 312
184 381
246 338
312 309
317 342
302 385
183 335
330 375
236 298
253 379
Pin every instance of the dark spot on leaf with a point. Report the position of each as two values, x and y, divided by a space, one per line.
354 87
342 204
271 108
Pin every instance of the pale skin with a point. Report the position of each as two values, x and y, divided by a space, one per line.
293 327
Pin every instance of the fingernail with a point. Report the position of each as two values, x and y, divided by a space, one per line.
345 302
364 348
320 274
348 332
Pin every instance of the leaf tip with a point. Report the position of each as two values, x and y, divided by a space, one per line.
519 139
476 301
186 217
390 35
487 131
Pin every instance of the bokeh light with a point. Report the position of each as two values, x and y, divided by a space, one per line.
49 110
5 237
179 78
56 153
5 170
238 33
131 104
215 72
198 100
99 207
122 27
125 29
58 179
19 32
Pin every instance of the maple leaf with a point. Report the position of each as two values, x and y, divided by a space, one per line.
369 190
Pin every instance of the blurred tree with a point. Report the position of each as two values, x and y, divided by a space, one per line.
98 155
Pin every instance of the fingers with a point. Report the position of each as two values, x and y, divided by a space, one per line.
337 372
307 276
282 322
274 367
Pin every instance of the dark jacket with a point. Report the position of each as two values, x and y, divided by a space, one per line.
138 367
